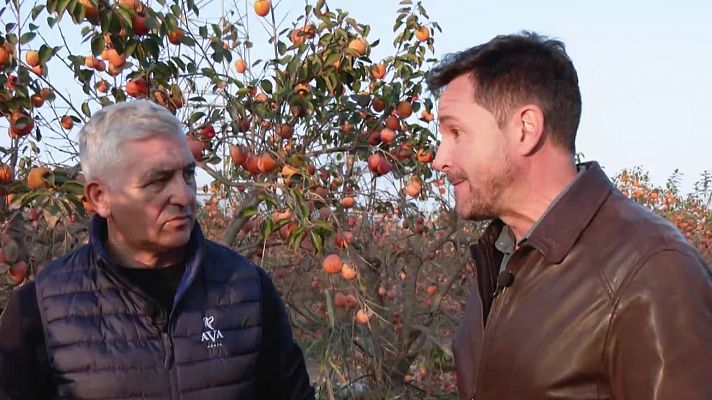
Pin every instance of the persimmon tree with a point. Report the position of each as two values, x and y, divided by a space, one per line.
316 157
310 150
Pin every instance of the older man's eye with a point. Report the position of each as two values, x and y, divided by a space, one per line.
189 176
160 179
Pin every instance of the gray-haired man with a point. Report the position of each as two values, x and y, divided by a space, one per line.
149 308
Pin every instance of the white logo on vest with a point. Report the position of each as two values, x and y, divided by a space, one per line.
210 334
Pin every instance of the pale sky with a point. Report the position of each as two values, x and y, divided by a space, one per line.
644 67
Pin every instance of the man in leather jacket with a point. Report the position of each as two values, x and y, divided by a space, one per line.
580 293
149 308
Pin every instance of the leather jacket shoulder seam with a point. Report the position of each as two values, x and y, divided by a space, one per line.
607 285
639 264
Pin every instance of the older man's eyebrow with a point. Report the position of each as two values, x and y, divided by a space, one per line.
165 171
191 165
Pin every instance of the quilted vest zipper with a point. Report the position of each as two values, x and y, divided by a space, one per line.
168 362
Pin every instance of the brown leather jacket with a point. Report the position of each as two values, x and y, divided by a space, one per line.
608 301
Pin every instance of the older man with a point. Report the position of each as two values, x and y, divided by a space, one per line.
149 308
581 293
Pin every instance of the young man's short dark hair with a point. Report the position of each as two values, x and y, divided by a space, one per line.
511 70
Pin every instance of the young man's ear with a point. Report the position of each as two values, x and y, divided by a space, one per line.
529 121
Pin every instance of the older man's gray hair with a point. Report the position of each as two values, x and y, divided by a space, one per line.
101 138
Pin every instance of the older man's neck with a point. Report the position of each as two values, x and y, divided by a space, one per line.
536 190
129 257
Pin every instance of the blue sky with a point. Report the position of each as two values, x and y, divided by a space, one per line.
644 67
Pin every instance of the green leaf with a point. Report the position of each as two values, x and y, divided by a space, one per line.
68 205
131 47
195 117
78 13
332 58
22 201
27 37
295 238
78 206
85 75
248 212
45 53
152 47
125 15
203 32
216 29
61 6
281 48
188 41
324 226
73 187
105 101
218 55
318 241
86 110
119 95
262 111
267 228
178 62
266 86
97 44
152 23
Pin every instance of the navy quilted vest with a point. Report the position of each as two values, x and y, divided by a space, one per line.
106 340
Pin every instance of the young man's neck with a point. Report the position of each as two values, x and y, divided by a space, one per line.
533 195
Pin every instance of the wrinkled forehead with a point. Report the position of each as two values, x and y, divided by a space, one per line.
157 152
